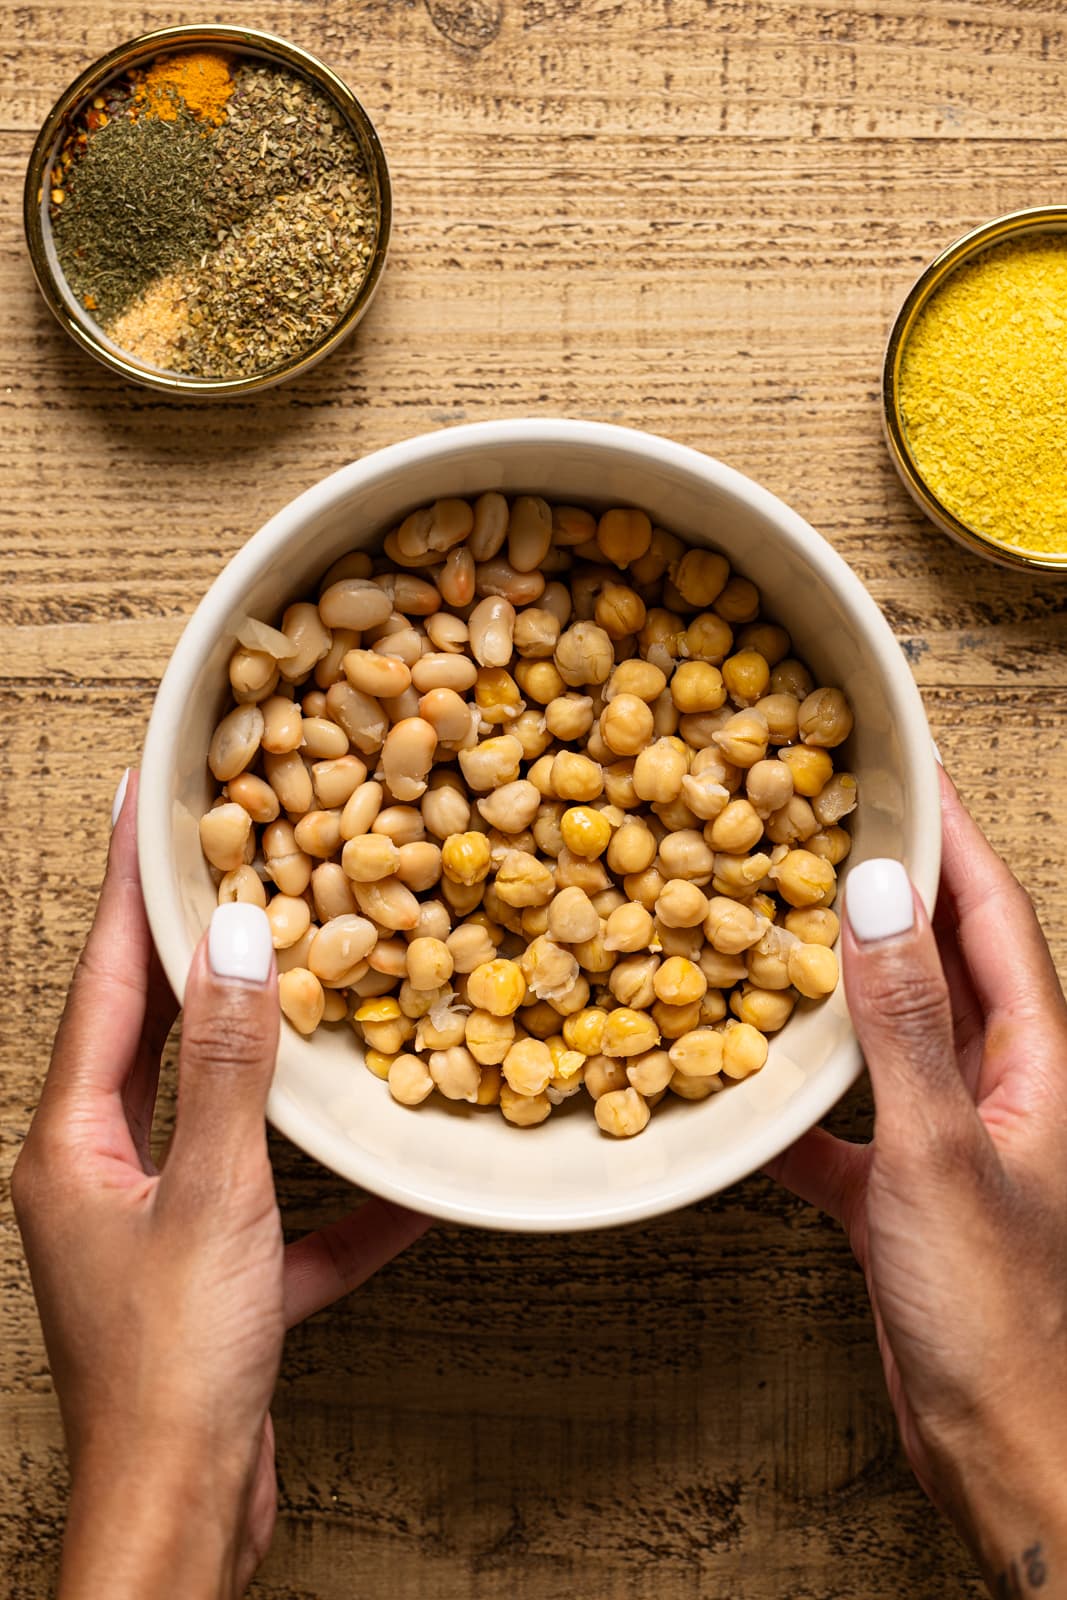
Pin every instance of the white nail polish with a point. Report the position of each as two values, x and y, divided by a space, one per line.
239 942
120 797
937 754
878 900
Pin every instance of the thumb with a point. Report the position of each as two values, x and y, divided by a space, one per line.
902 1013
229 1044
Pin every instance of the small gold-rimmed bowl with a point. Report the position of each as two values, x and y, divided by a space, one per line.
243 44
1035 221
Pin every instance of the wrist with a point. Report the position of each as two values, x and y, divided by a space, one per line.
158 1520
1007 1492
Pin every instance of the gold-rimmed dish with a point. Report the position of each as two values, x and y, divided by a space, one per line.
242 45
1014 226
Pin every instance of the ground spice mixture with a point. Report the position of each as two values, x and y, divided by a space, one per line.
215 217
983 394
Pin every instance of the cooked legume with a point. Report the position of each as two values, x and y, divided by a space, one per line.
553 835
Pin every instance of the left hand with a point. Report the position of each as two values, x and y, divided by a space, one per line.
165 1295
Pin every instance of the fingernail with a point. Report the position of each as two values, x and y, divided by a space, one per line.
878 900
239 942
937 754
120 797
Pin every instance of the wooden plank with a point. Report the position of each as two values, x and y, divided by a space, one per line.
697 219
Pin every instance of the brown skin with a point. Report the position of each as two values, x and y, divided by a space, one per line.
957 1209
165 1296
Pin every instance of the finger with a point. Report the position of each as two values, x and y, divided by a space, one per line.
139 1092
900 1007
98 1035
324 1266
1000 937
228 1048
825 1171
968 1018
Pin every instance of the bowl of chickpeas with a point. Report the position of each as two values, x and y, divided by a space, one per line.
546 746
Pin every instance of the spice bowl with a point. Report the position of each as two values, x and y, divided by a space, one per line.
207 210
563 1174
972 390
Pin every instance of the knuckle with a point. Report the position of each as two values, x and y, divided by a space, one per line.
227 1041
916 1001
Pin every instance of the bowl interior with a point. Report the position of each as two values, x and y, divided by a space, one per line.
455 1161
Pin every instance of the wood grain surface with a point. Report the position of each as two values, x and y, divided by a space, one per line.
690 216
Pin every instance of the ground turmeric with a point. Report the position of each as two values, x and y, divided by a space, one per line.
199 81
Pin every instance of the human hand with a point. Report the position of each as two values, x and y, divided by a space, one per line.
164 1296
957 1209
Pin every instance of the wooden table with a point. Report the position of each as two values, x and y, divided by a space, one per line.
696 218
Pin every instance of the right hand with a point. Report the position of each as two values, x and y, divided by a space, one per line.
957 1209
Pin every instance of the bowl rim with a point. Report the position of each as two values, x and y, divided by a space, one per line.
1011 224
145 47
223 599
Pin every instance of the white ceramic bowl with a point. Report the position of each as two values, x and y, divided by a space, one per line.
454 1161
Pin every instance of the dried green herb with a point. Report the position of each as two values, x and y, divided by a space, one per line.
218 251
135 207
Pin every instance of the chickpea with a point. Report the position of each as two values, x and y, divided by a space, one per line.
492 763
743 739
497 986
429 963
747 677
629 928
604 1075
569 717
700 576
540 681
674 1021
641 679
651 1072
369 857
832 844
622 1113
522 880
708 638
804 879
584 654
694 1088
792 823
585 831
619 611
812 769
681 904
624 536
644 887
704 796
679 982
512 807
698 1054
782 713
731 928
697 686
528 1066
769 786
835 800
659 770
524 1110
766 1009
409 1080
825 718
536 633
466 858
626 724
575 777
737 827
456 1073
489 1038
632 981
814 925
632 848
744 1050
572 916
813 970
